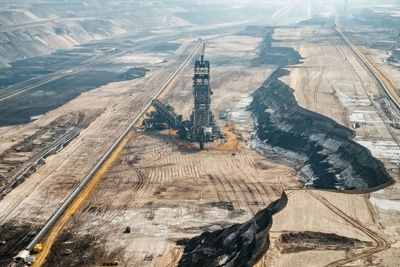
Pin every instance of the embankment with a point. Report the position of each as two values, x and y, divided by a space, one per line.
320 149
238 245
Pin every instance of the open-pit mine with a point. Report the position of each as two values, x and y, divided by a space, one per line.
200 133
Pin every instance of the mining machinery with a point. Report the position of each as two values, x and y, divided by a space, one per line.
201 127
163 117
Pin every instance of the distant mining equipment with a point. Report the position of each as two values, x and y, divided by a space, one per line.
201 127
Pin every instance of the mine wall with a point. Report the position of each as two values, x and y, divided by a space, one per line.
319 149
238 245
268 54
324 156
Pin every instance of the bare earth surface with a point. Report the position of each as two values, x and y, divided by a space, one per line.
331 81
165 189
32 203
168 190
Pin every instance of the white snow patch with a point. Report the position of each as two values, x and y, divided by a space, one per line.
350 102
386 204
239 115
36 117
383 149
150 59
41 40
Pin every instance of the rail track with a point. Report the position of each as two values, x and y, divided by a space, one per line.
33 163
382 80
393 97
394 119
71 205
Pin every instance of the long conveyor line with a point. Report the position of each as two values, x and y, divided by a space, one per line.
97 168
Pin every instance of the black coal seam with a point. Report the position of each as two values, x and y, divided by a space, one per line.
273 55
320 149
237 245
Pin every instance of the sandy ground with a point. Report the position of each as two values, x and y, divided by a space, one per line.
176 189
331 81
168 190
37 198
164 190
166 193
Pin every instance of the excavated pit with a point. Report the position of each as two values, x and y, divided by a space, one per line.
58 78
237 245
319 149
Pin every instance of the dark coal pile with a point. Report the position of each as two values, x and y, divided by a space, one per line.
268 54
238 245
320 149
50 95
133 73
292 242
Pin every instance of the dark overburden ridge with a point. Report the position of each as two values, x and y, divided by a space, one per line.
268 54
34 86
320 149
21 109
238 245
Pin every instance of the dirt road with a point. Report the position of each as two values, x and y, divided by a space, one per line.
82 197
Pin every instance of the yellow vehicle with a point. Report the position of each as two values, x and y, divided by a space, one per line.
37 248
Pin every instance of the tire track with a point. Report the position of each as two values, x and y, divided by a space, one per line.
142 179
381 243
214 186
244 183
318 84
305 80
227 182
247 195
249 180
79 196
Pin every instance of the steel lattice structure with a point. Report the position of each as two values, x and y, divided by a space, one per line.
201 128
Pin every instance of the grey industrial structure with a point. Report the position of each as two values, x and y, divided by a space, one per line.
201 127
